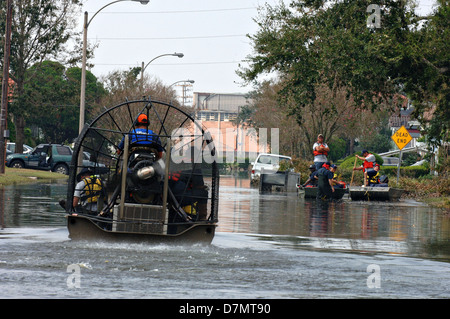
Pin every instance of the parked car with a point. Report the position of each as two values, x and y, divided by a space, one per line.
12 148
89 160
49 157
268 162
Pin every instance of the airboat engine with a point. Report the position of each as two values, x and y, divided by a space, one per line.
144 179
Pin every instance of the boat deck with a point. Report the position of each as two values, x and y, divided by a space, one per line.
375 193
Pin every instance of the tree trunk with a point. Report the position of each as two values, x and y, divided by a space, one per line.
19 122
352 145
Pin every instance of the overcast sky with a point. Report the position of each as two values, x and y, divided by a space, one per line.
210 33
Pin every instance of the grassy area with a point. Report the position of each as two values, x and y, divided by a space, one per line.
435 191
23 176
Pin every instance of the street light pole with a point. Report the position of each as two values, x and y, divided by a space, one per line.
180 55
83 74
83 63
83 68
190 81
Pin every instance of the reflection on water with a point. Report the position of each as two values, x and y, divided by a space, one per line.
267 246
405 227
32 205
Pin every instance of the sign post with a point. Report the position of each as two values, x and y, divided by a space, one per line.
401 138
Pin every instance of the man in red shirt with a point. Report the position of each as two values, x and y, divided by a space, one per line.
369 162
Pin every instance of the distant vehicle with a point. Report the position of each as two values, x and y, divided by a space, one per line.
49 157
390 161
88 160
268 162
419 163
12 148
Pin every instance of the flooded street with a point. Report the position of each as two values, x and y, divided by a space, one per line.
266 246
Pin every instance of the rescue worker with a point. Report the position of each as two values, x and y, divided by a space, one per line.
312 180
374 178
89 194
320 151
369 161
325 184
144 136
190 191
335 182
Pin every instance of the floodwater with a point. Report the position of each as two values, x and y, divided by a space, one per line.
266 246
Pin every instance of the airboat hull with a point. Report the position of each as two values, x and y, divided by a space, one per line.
84 228
375 193
311 192
135 193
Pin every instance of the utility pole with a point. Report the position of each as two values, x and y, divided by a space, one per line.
5 84
185 98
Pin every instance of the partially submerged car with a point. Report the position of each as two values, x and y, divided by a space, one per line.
268 163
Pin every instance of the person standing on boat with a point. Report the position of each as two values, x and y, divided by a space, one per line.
144 136
325 188
320 151
89 194
369 162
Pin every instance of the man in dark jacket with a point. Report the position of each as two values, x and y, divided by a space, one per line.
325 187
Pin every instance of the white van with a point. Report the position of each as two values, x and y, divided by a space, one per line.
270 162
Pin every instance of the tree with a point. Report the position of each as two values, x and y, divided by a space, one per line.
122 85
52 95
40 30
318 45
94 94
126 85
266 111
428 83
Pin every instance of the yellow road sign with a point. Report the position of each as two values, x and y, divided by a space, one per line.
402 137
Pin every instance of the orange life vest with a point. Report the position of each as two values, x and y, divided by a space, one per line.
367 164
316 153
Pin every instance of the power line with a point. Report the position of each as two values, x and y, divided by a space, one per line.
179 11
155 64
176 38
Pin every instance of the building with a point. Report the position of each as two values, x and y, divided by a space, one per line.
219 106
218 112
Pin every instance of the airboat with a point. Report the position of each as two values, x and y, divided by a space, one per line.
150 196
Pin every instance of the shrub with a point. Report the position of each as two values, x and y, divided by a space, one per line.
426 186
408 171
349 161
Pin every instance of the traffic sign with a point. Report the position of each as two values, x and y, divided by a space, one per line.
402 137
